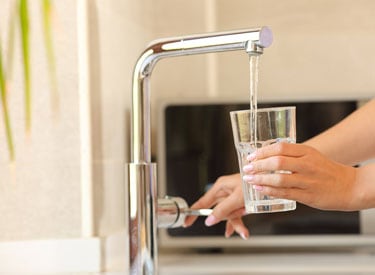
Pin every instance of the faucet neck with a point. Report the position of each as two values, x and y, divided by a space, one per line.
251 40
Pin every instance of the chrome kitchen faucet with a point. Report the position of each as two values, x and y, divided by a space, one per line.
146 211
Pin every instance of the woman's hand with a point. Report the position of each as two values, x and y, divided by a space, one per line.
305 175
226 195
312 179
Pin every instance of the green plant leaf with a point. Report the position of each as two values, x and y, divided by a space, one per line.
4 101
11 35
47 14
20 11
25 28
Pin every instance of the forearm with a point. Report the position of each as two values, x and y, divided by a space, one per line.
352 140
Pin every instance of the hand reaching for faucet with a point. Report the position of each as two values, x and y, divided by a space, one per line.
226 196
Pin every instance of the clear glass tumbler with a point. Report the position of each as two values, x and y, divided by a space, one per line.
276 124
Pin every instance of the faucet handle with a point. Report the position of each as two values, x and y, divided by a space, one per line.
172 211
198 212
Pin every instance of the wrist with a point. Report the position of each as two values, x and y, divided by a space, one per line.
364 187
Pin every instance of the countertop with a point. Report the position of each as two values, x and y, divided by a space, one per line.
262 264
295 263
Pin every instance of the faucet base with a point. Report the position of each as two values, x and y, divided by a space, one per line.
142 209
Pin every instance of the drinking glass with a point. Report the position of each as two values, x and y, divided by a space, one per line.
277 124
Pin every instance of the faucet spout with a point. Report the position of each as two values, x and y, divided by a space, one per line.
252 41
142 195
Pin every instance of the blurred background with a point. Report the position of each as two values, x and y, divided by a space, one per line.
66 183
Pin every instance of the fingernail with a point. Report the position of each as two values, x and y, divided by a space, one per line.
211 220
248 168
251 157
248 178
227 235
243 236
258 187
